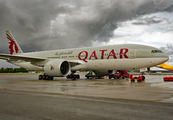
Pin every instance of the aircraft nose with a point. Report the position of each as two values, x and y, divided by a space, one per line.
165 58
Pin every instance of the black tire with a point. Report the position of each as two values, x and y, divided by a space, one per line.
143 78
51 78
71 76
44 77
110 77
78 76
67 77
74 77
47 77
40 77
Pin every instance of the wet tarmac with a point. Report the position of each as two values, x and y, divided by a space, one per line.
23 97
152 89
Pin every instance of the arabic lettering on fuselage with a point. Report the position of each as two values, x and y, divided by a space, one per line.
83 55
63 53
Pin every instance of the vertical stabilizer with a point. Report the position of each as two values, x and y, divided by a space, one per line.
14 48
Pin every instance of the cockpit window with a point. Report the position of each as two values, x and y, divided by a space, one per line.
159 51
156 51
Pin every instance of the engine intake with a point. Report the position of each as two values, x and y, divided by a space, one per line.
57 68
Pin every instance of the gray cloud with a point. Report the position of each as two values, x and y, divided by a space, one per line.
53 24
168 49
148 21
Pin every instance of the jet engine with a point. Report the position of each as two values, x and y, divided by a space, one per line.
57 68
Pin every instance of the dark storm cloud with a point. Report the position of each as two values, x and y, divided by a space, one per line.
53 24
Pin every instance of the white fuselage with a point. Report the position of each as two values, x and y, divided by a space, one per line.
114 57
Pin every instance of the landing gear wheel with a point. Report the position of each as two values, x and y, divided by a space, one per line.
73 76
51 78
143 78
40 77
47 77
78 76
44 77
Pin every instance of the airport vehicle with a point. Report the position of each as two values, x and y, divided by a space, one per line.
165 66
168 78
118 74
134 77
59 63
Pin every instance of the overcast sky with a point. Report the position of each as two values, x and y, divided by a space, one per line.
56 24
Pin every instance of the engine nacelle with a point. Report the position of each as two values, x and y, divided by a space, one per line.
57 68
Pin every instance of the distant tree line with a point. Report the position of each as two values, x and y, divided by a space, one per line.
13 70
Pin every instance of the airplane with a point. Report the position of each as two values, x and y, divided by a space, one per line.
102 59
165 66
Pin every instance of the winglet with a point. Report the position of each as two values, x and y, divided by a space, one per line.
14 47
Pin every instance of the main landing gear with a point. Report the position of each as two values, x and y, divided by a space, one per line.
44 77
73 76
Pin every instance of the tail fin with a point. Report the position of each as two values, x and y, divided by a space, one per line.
163 65
14 48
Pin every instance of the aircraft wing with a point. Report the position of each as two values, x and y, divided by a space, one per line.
18 57
38 60
3 58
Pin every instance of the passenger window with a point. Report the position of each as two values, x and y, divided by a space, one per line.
71 56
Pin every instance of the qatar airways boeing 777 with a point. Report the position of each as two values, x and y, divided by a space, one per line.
58 63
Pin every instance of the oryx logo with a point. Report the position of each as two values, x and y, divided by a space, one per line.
51 67
12 44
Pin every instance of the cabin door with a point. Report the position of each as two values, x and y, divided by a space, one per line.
132 54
